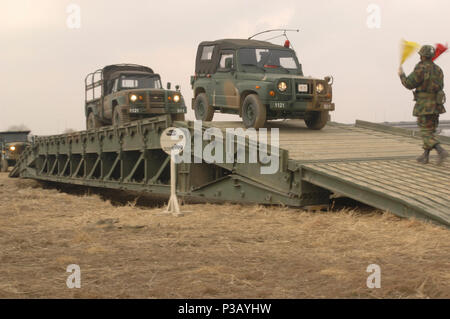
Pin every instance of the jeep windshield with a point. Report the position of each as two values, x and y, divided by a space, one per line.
128 82
269 59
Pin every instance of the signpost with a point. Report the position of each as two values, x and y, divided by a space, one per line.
173 142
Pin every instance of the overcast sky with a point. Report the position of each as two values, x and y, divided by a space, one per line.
44 62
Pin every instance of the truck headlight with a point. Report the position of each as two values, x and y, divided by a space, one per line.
282 86
176 98
12 148
320 88
133 97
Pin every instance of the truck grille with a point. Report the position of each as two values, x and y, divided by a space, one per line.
156 99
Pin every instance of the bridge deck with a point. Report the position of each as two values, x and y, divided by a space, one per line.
336 142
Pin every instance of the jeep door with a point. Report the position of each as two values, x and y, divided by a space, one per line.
225 92
108 99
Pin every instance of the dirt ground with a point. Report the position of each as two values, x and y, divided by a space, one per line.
217 251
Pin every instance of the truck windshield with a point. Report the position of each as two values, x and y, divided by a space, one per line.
268 59
140 82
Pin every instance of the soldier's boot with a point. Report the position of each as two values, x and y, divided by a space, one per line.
424 158
442 154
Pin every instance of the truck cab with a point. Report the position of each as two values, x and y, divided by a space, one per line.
121 93
258 81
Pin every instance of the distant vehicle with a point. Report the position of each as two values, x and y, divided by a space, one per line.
12 144
121 93
259 81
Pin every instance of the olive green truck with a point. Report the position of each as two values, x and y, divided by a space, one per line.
120 93
258 81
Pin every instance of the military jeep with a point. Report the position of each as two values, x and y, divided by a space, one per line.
259 81
121 93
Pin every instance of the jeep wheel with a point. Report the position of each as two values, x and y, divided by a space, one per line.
316 120
253 112
203 111
119 116
92 122
177 117
4 166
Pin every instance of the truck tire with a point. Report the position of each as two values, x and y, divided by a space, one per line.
203 111
120 117
316 120
177 117
4 166
253 112
92 122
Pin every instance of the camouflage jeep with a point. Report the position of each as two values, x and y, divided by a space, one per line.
259 81
121 93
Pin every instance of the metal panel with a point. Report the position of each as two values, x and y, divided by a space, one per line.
403 187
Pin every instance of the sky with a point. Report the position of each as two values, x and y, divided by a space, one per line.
44 61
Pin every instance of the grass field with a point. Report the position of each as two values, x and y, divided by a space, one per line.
128 250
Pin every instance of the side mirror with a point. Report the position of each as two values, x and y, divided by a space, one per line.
177 87
229 63
169 85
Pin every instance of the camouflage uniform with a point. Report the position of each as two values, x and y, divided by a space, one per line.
428 79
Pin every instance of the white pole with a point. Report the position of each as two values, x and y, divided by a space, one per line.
173 206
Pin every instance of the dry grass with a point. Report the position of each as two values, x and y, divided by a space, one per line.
218 251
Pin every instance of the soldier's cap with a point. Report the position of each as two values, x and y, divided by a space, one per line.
427 51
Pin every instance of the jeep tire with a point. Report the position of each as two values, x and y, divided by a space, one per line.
253 112
316 120
120 116
203 111
92 122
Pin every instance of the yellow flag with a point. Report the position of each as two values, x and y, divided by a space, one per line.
407 48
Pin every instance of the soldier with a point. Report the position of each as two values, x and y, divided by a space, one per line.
428 81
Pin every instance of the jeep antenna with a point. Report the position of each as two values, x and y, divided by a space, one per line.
286 44
274 30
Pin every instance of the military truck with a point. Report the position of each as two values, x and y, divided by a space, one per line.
259 81
121 93
12 144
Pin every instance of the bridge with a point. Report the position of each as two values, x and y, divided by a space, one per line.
371 163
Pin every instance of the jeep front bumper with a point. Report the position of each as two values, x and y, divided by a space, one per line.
301 106
142 111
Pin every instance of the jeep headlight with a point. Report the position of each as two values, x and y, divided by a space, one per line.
320 88
282 86
176 98
12 148
133 97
